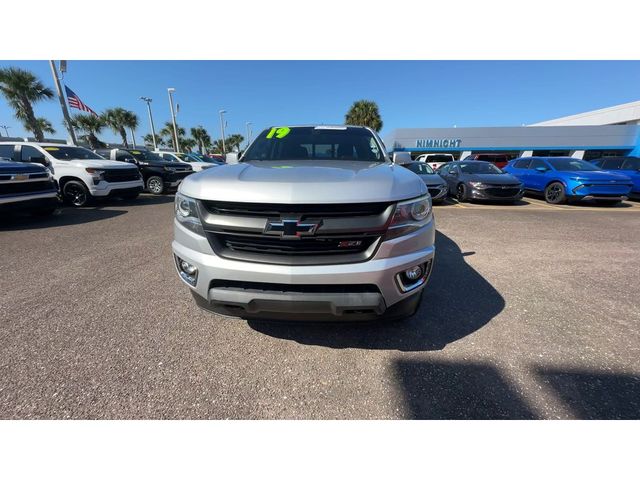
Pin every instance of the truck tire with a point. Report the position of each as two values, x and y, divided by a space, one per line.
155 185
76 193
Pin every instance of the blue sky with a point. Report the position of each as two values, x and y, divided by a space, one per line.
409 93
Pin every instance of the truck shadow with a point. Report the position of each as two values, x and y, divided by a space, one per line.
463 391
595 395
457 302
62 217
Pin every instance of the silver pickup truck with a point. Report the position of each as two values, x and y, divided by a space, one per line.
311 223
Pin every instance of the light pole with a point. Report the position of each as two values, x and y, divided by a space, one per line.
224 147
173 119
148 101
5 128
248 133
63 103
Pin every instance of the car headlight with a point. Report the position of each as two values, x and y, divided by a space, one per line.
169 169
409 216
187 213
476 184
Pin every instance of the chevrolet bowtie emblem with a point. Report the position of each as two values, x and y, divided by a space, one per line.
291 228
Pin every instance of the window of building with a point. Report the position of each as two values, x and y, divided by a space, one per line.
551 153
593 154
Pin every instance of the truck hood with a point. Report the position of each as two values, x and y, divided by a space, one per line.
305 181
20 167
99 164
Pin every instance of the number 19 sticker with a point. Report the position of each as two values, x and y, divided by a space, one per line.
279 132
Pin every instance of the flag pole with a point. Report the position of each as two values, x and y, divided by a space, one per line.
63 103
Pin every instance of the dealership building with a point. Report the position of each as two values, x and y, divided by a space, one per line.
605 132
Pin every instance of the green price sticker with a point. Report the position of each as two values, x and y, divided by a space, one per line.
278 132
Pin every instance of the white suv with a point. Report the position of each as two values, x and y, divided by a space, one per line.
197 164
80 174
435 160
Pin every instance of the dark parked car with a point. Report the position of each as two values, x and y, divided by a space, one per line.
476 180
26 187
629 166
436 185
498 159
159 175
561 179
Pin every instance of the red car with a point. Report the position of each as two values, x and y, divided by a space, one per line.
498 159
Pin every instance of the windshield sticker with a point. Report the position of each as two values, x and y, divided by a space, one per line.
282 166
279 132
135 152
51 149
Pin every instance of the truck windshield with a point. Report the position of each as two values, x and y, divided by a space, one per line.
72 153
315 143
146 156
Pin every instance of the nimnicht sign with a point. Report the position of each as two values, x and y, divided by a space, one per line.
438 143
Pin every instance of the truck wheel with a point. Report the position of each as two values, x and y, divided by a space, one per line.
555 194
155 185
461 193
76 193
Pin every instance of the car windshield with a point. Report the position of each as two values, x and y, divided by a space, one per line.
419 168
315 143
146 156
571 165
196 157
631 163
479 167
72 153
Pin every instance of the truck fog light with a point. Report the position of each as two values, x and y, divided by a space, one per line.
413 273
188 268
188 272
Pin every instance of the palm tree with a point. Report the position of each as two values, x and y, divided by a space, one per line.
119 119
91 125
187 143
148 140
45 125
234 141
364 113
201 136
22 89
167 131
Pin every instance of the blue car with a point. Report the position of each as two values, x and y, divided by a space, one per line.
629 166
561 179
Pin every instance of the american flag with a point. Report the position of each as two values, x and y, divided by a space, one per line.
75 102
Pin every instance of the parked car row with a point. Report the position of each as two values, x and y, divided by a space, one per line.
558 179
35 176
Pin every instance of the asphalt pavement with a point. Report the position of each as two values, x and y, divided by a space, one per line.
532 311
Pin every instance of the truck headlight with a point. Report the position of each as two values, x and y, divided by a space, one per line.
187 213
96 174
409 216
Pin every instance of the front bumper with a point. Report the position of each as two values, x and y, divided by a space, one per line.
485 194
28 202
600 192
106 189
314 288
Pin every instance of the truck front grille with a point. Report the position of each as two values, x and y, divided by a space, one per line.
17 188
346 233
116 175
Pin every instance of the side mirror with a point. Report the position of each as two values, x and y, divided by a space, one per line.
401 158
541 169
232 158
41 160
